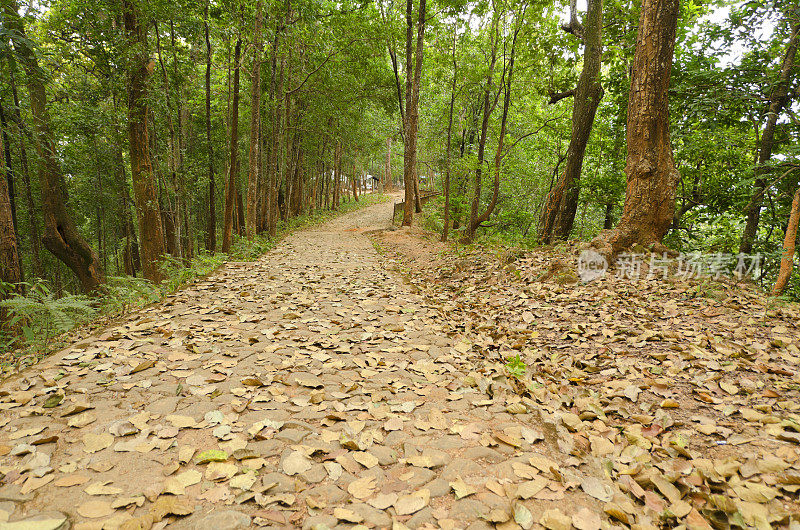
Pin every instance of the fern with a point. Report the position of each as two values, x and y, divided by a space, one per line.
41 316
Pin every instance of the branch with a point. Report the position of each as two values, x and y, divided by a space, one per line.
315 70
555 97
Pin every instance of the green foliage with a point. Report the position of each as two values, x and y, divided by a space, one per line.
516 367
179 273
41 316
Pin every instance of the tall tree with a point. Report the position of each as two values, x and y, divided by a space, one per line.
778 98
254 167
488 103
140 67
211 219
561 204
412 102
233 164
61 236
10 270
448 147
650 168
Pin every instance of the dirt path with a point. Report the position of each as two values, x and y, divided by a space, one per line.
328 385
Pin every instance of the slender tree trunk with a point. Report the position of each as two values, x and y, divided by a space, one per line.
388 183
6 147
61 236
337 174
447 164
254 169
233 165
650 168
211 221
169 218
778 98
276 151
239 225
33 221
10 270
472 225
412 104
789 240
355 183
558 213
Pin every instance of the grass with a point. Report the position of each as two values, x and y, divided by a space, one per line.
39 323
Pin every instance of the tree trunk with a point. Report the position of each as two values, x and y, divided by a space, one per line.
151 234
277 104
254 170
169 215
558 214
448 150
472 225
211 221
38 271
61 236
787 259
650 168
412 104
233 164
10 270
778 98
337 174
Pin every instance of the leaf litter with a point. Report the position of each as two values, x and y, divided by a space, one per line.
384 398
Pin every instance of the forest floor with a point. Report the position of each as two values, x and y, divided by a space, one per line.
356 375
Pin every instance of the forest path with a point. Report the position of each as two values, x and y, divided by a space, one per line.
329 385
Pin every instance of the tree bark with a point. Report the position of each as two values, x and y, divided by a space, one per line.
211 221
789 241
254 169
337 174
170 217
650 168
558 213
412 104
151 234
778 98
10 270
61 236
38 271
233 164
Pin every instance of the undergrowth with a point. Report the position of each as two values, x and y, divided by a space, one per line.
37 320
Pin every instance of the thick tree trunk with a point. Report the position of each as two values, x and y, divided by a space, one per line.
558 213
233 164
151 233
777 100
211 221
412 104
651 173
254 169
61 236
789 241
